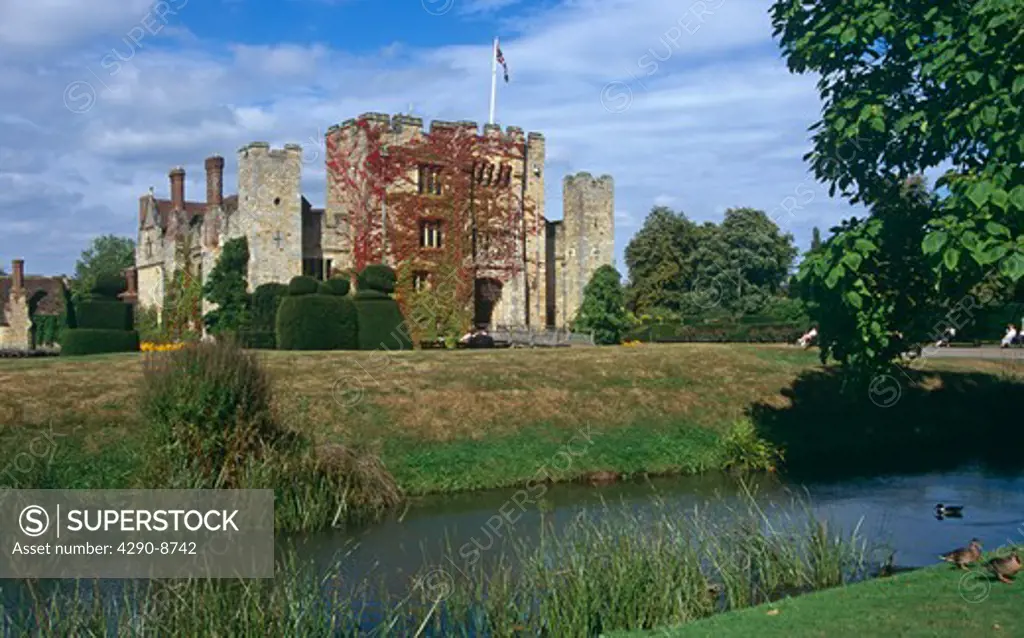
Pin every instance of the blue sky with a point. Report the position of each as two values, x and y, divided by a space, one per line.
686 104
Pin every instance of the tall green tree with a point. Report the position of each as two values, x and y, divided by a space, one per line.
742 262
659 259
108 255
907 87
227 287
815 239
603 310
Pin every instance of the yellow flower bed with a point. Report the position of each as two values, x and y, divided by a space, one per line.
149 346
631 344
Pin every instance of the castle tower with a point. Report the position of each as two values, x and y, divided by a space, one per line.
587 238
270 211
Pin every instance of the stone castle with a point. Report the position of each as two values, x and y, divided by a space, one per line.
287 236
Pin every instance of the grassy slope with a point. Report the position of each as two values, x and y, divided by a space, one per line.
925 602
447 421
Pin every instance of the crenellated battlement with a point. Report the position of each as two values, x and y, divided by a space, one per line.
263 149
403 123
585 179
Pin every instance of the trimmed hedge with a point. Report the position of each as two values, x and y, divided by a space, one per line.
257 339
104 314
377 277
302 285
317 322
338 286
381 324
718 333
82 341
265 300
109 286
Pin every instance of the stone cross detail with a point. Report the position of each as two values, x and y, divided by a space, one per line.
278 239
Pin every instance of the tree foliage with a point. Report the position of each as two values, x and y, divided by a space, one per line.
660 261
681 267
107 255
868 285
603 310
226 286
906 88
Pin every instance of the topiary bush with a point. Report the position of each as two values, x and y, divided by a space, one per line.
261 331
109 286
101 323
321 320
303 285
105 314
338 286
381 324
377 277
83 341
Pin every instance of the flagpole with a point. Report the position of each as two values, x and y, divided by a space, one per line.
494 79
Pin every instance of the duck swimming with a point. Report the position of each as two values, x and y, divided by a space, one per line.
949 510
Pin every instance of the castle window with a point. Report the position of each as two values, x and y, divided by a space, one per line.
429 179
420 281
505 176
430 234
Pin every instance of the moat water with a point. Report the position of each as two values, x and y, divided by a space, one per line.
894 512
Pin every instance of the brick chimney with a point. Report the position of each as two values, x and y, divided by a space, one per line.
214 181
178 188
17 275
132 291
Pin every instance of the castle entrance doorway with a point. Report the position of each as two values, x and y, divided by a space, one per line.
486 294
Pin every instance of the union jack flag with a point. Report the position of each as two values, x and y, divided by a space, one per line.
501 61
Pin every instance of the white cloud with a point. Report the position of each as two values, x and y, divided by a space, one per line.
717 122
31 25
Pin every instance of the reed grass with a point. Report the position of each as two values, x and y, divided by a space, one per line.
612 569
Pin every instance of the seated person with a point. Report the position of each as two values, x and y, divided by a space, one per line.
1010 337
811 335
948 334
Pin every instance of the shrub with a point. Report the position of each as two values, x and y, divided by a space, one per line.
303 285
265 300
603 310
338 286
105 314
82 341
377 277
257 339
316 322
719 333
108 286
381 324
209 407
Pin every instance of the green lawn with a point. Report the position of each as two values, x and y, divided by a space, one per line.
927 602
